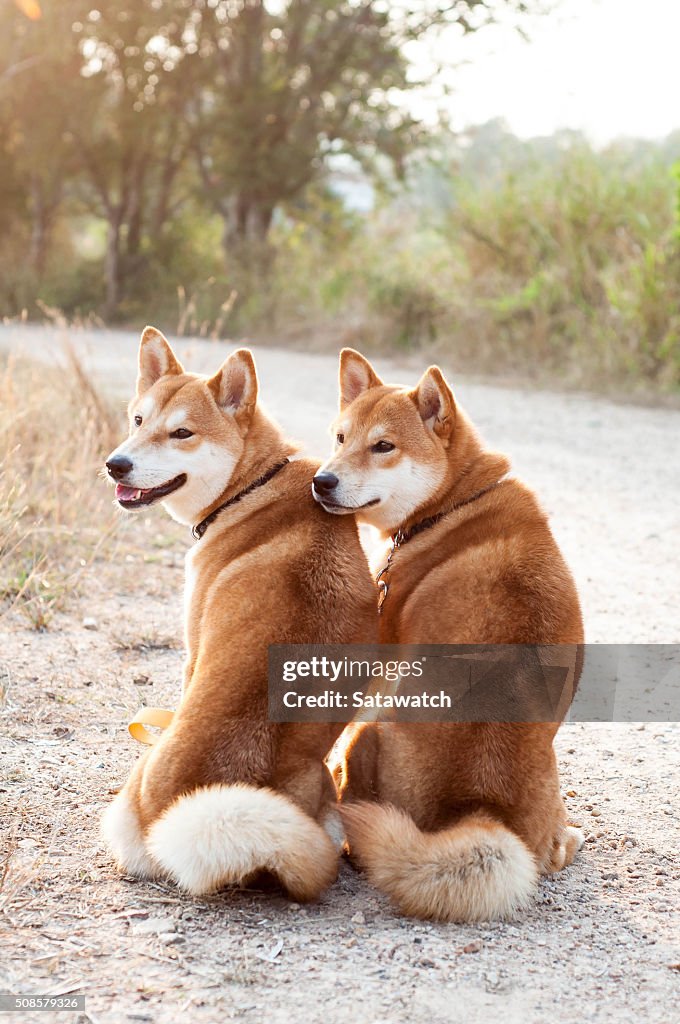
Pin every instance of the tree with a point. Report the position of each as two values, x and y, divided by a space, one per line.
283 91
133 132
39 79
289 84
107 103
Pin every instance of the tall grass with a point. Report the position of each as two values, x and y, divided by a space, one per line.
574 269
55 431
569 269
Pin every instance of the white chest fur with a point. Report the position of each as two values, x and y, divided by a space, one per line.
190 578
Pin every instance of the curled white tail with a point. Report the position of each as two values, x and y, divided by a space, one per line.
219 835
476 870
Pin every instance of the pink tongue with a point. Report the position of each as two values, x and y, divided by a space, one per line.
124 493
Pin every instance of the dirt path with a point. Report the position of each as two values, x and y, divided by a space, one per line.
604 936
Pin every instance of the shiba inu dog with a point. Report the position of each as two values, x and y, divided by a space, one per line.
454 821
224 794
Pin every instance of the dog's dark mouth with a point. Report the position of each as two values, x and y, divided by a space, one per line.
334 506
137 497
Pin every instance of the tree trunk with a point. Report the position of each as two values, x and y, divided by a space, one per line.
246 227
135 207
134 233
162 207
232 227
112 265
42 218
39 245
258 220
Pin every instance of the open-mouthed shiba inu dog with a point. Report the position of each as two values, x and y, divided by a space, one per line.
225 795
454 821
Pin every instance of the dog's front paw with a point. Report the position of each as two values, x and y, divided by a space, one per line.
565 847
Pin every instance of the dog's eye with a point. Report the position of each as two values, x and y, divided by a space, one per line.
181 433
340 438
138 420
383 446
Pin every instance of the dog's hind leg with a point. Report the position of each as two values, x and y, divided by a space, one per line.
123 834
311 786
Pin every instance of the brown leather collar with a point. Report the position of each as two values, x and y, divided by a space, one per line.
201 527
403 536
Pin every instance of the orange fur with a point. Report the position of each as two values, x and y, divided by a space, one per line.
225 793
488 572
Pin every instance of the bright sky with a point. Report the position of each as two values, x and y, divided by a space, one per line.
608 67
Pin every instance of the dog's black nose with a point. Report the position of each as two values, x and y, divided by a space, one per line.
119 467
324 483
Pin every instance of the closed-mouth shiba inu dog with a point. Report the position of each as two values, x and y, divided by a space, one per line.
225 795
454 821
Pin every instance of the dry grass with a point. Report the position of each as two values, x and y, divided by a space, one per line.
55 431
148 640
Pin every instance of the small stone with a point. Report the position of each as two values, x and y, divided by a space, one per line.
90 623
472 947
358 918
169 937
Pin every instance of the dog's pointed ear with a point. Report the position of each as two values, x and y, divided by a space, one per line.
356 376
156 359
435 402
234 386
